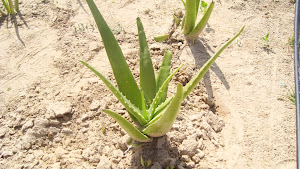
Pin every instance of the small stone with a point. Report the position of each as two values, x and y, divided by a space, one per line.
104 163
54 130
84 117
7 153
156 165
41 123
66 131
215 122
27 125
61 108
54 123
3 131
197 157
185 158
94 105
190 164
188 147
56 166
195 117
29 158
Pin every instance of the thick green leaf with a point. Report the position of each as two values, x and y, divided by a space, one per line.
11 7
163 74
125 80
184 4
6 5
134 111
197 7
196 79
147 77
161 38
160 93
201 25
190 18
165 122
128 127
17 5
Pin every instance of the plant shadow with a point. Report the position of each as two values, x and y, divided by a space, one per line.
199 49
14 21
160 151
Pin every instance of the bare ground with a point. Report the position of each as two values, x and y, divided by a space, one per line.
50 104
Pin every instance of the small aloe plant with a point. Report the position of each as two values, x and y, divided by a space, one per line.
10 7
147 105
190 29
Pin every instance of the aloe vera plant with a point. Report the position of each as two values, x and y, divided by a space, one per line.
147 105
10 7
190 29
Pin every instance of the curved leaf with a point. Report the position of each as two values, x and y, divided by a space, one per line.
147 77
159 94
165 122
161 38
163 74
134 111
201 25
190 18
196 79
125 80
128 127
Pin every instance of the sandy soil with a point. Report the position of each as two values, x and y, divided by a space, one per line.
236 118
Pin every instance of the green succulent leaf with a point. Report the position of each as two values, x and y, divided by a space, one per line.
165 122
176 20
184 4
17 5
132 131
6 6
163 74
197 7
147 77
161 38
196 79
190 16
159 94
125 80
134 111
201 25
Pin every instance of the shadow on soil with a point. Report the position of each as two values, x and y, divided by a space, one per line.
159 151
13 19
200 54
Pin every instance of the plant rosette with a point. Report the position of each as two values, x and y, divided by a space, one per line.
147 106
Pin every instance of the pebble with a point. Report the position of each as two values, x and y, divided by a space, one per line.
3 131
197 157
27 125
61 108
7 153
56 166
66 131
94 105
41 123
104 163
188 147
215 122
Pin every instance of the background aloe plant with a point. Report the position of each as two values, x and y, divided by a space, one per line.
147 105
10 7
190 29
